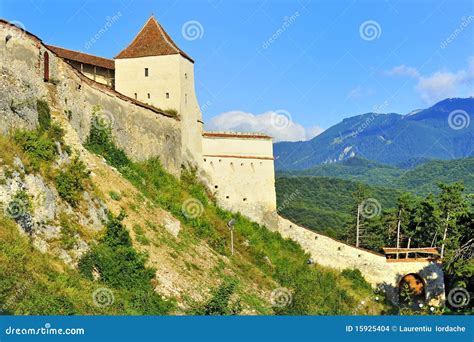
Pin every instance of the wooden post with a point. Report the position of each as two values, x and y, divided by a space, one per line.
398 229
357 227
408 247
445 234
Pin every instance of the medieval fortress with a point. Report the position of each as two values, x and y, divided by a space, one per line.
147 96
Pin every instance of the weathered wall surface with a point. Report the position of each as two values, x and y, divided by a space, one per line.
375 268
141 132
240 172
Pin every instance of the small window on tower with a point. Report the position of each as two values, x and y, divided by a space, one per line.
186 76
167 95
146 72
135 96
148 95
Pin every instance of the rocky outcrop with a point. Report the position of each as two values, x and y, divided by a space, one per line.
36 207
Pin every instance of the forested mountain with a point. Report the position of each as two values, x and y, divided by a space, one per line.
422 179
442 131
324 204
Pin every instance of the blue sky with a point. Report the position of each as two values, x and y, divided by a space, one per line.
312 61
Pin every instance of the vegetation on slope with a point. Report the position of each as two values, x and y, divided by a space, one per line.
27 274
116 272
313 289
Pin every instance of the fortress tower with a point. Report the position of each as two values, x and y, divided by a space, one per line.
154 70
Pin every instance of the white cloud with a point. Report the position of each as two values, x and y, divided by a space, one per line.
440 84
403 70
443 84
277 124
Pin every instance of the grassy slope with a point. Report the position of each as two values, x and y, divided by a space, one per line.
263 260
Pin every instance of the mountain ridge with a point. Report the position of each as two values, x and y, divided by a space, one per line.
442 131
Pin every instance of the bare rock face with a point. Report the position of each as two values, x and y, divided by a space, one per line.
38 210
172 225
43 197
19 90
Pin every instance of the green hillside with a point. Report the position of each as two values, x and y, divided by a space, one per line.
421 180
324 204
424 178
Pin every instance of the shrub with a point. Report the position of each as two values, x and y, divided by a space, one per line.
120 266
68 238
44 115
37 146
100 141
220 302
40 144
70 181
356 278
115 195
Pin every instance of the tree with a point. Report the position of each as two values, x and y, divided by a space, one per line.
359 195
452 205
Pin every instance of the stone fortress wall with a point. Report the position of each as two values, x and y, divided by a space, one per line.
240 172
379 272
141 131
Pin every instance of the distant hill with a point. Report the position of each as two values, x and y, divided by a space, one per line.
421 179
393 139
322 203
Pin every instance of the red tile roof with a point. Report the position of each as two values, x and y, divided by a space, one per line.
83 57
152 40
